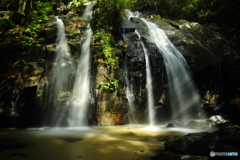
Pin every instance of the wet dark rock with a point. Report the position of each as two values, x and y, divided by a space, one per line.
170 125
229 129
71 139
197 134
127 26
192 157
166 155
194 145
212 139
164 138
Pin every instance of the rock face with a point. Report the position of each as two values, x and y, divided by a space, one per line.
26 72
210 58
136 69
213 61
111 106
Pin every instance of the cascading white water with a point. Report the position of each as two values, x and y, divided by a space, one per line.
59 85
150 97
81 92
130 97
183 94
87 14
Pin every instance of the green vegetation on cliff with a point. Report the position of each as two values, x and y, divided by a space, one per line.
39 15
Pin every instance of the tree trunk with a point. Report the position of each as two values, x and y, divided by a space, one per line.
22 6
29 7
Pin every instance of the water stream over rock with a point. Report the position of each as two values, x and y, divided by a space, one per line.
184 97
150 98
81 91
59 87
183 94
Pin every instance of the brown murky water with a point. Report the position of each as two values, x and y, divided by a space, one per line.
131 142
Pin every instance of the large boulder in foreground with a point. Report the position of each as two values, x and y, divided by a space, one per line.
194 145
166 155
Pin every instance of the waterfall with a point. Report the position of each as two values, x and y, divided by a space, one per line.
150 97
130 96
81 92
87 14
183 95
58 89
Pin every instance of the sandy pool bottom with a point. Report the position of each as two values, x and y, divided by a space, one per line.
131 142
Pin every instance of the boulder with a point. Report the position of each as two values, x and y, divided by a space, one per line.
192 157
170 125
194 145
166 155
217 119
229 129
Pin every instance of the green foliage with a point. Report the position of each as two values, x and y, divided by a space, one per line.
112 85
77 3
106 41
39 15
26 41
109 15
191 62
214 26
5 24
17 63
40 93
41 40
217 14
157 16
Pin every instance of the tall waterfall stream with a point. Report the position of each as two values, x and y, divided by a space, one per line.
183 94
59 85
81 92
